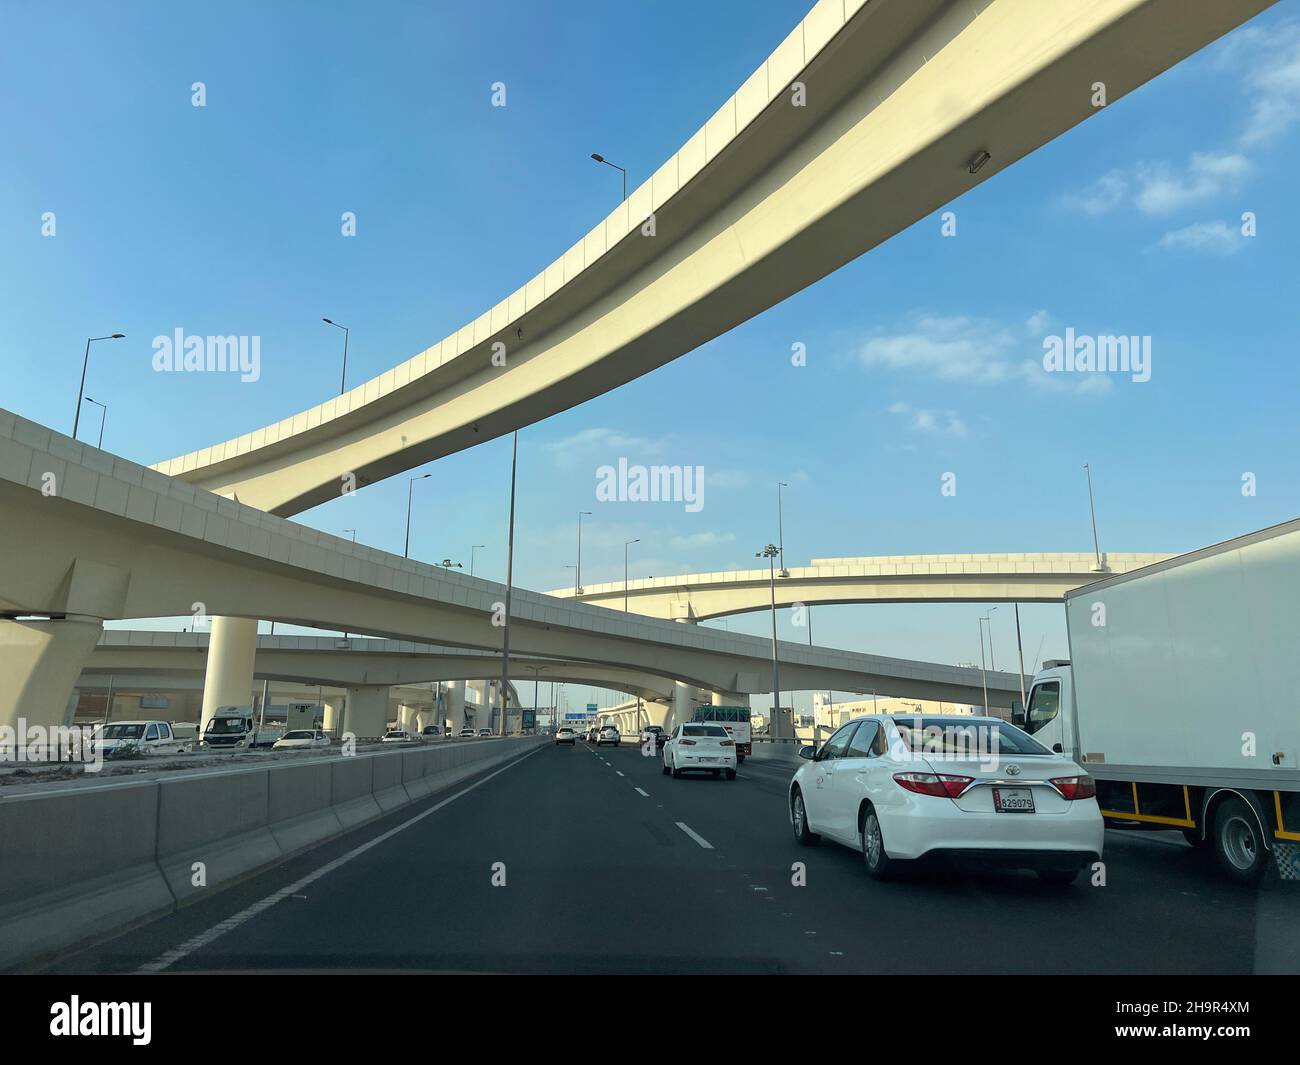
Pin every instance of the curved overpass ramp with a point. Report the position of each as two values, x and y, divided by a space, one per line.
1042 577
766 198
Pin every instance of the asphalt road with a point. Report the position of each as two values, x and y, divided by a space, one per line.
603 865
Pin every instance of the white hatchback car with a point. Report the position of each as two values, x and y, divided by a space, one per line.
697 747
905 787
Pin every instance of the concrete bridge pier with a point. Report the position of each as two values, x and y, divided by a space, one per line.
730 699
228 679
366 713
40 662
408 717
333 714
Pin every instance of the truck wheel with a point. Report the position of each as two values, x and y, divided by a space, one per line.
799 821
731 774
1238 841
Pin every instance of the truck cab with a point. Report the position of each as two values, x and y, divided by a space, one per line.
1049 715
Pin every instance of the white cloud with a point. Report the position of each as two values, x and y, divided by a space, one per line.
1103 196
1161 190
607 441
946 423
965 349
1211 238
1268 59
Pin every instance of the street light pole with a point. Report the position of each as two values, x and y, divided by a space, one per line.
1092 510
1021 651
770 552
354 540
983 674
601 159
102 419
625 547
577 577
410 487
510 574
81 388
780 526
344 379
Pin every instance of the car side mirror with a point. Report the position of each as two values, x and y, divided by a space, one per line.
807 752
1017 714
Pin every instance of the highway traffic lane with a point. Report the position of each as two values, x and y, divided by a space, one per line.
596 880
1164 907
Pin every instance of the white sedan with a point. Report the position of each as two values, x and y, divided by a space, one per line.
700 748
301 738
904 787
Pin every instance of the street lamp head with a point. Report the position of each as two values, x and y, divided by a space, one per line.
327 321
598 157
118 336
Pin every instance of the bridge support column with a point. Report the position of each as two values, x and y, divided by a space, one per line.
453 695
333 714
366 713
408 717
228 680
40 662
683 708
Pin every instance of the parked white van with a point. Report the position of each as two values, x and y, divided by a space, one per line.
118 738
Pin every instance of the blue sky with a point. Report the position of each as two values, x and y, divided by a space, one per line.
921 355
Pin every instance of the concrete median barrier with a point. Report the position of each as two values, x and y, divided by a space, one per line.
81 864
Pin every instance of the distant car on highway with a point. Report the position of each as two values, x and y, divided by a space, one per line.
397 735
121 739
301 738
700 748
466 732
485 732
608 734
904 787
590 737
655 733
429 731
566 735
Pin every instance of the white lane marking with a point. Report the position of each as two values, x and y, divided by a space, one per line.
619 772
695 835
171 957
645 793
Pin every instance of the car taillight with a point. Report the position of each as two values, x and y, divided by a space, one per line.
1075 787
687 743
943 785
726 743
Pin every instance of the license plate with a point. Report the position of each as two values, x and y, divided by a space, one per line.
1013 800
708 759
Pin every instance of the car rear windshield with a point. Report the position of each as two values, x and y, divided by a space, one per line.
954 738
705 730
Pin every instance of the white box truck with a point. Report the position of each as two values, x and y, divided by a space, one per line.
1181 698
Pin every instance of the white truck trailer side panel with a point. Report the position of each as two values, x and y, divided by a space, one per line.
1193 658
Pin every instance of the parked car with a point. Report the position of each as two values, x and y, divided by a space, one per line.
301 738
608 734
566 735
430 730
698 747
899 788
121 739
397 735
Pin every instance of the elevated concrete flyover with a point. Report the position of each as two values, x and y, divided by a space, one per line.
1039 577
870 115
351 662
90 537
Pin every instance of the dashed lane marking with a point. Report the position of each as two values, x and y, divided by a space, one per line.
695 835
